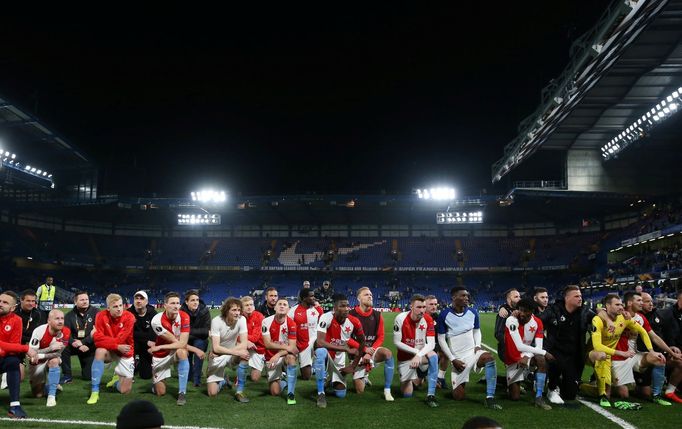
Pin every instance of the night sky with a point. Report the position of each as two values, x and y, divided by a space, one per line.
328 99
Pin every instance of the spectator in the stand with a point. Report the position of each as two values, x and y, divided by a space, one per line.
45 294
200 324
268 307
80 322
143 334
306 284
30 318
324 295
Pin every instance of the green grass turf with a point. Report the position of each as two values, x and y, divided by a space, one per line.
366 410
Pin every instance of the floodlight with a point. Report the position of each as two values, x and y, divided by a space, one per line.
437 193
209 196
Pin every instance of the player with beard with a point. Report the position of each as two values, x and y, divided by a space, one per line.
48 341
306 314
623 369
80 321
662 325
443 363
541 298
10 350
511 297
143 334
374 353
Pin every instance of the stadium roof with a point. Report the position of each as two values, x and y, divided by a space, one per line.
618 71
23 133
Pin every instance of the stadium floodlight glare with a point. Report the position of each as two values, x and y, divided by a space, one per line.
436 194
641 127
209 196
199 219
448 218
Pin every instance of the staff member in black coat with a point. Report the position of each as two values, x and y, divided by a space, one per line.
199 325
143 334
31 317
80 321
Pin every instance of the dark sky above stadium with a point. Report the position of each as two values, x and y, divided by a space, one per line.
326 99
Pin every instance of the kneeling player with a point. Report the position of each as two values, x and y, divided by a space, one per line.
229 337
172 333
604 341
113 335
279 336
48 341
254 345
414 337
459 336
334 330
519 353
373 326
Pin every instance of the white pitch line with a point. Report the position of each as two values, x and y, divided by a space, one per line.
599 410
89 423
594 407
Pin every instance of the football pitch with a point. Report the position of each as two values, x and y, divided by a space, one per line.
368 410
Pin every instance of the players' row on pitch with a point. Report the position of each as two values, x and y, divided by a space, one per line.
342 342
336 344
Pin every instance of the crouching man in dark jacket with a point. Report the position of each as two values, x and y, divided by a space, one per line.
200 324
143 334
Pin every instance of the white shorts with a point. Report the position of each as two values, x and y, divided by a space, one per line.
305 357
622 371
125 367
161 367
334 367
517 373
256 360
407 373
275 373
37 373
469 360
363 369
215 372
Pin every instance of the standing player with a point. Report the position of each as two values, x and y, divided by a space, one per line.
48 341
414 337
10 350
306 316
229 337
604 341
113 335
172 328
520 354
459 335
279 336
373 326
255 346
334 331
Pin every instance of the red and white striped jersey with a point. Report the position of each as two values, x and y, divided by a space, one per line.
412 333
338 333
306 324
280 333
42 338
161 324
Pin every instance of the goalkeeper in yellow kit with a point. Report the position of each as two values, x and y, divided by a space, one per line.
604 340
